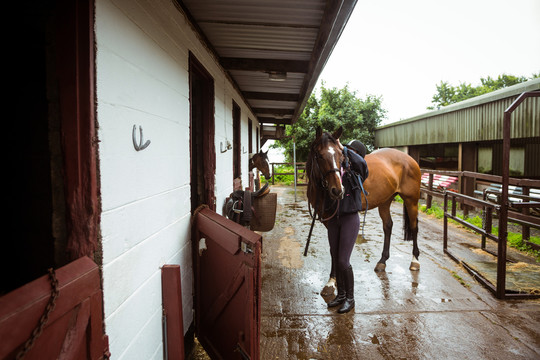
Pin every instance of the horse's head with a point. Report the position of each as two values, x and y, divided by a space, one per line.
260 161
324 162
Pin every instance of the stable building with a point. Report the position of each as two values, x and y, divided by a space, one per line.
468 136
129 116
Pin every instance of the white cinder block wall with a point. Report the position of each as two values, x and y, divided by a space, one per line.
142 51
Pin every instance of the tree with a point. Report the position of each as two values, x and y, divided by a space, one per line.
334 108
448 94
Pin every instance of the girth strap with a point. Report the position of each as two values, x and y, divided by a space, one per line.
247 207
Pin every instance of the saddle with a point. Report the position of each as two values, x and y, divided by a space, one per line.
256 209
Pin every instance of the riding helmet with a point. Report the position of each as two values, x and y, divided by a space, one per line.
358 147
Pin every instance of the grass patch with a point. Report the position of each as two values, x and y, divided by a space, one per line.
460 279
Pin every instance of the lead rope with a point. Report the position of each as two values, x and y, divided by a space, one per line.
314 215
346 153
44 318
367 204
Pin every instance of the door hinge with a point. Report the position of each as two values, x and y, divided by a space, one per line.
242 352
247 248
202 245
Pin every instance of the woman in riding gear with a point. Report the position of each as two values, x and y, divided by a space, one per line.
344 226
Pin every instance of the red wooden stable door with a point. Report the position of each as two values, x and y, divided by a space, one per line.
227 287
74 328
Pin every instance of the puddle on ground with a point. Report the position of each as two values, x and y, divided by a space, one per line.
297 207
289 250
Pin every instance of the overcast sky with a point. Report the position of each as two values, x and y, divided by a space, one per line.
401 49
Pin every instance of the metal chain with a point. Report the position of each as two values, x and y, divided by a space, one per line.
44 318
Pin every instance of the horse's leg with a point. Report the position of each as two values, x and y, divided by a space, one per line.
410 206
331 284
384 213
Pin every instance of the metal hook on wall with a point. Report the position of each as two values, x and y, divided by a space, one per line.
139 146
228 146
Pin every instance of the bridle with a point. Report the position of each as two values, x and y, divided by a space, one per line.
323 184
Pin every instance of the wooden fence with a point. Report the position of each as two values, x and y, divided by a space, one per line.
300 170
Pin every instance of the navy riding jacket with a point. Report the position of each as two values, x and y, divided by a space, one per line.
353 166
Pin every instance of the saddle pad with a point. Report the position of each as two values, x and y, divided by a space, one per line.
264 214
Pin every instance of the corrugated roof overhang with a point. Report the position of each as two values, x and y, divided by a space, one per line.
288 40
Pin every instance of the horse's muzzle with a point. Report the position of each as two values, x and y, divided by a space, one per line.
336 193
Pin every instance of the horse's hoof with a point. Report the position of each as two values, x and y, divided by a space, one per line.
380 267
415 265
329 288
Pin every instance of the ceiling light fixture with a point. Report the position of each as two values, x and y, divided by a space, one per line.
277 75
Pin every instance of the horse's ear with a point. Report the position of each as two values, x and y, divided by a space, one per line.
266 151
338 133
318 134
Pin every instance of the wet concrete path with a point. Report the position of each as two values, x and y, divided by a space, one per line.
439 312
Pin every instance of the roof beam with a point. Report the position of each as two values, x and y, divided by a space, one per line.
336 15
274 111
295 66
271 120
270 96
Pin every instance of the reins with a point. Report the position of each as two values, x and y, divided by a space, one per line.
324 187
361 188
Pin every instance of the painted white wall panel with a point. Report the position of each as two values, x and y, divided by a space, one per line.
135 266
142 60
161 167
128 320
125 227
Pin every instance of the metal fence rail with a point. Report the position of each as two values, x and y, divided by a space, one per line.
502 209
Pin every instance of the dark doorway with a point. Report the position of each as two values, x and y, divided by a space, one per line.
29 166
250 136
52 189
203 156
237 170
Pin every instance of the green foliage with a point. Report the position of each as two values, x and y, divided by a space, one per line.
283 179
435 211
448 94
333 108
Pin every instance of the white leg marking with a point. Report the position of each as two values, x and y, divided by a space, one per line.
329 288
415 264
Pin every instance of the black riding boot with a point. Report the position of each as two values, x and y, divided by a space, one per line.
340 298
348 304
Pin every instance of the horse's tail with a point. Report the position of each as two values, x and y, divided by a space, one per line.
408 232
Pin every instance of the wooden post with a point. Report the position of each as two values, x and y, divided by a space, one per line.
430 187
173 323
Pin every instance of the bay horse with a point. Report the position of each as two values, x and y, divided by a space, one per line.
260 161
391 172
